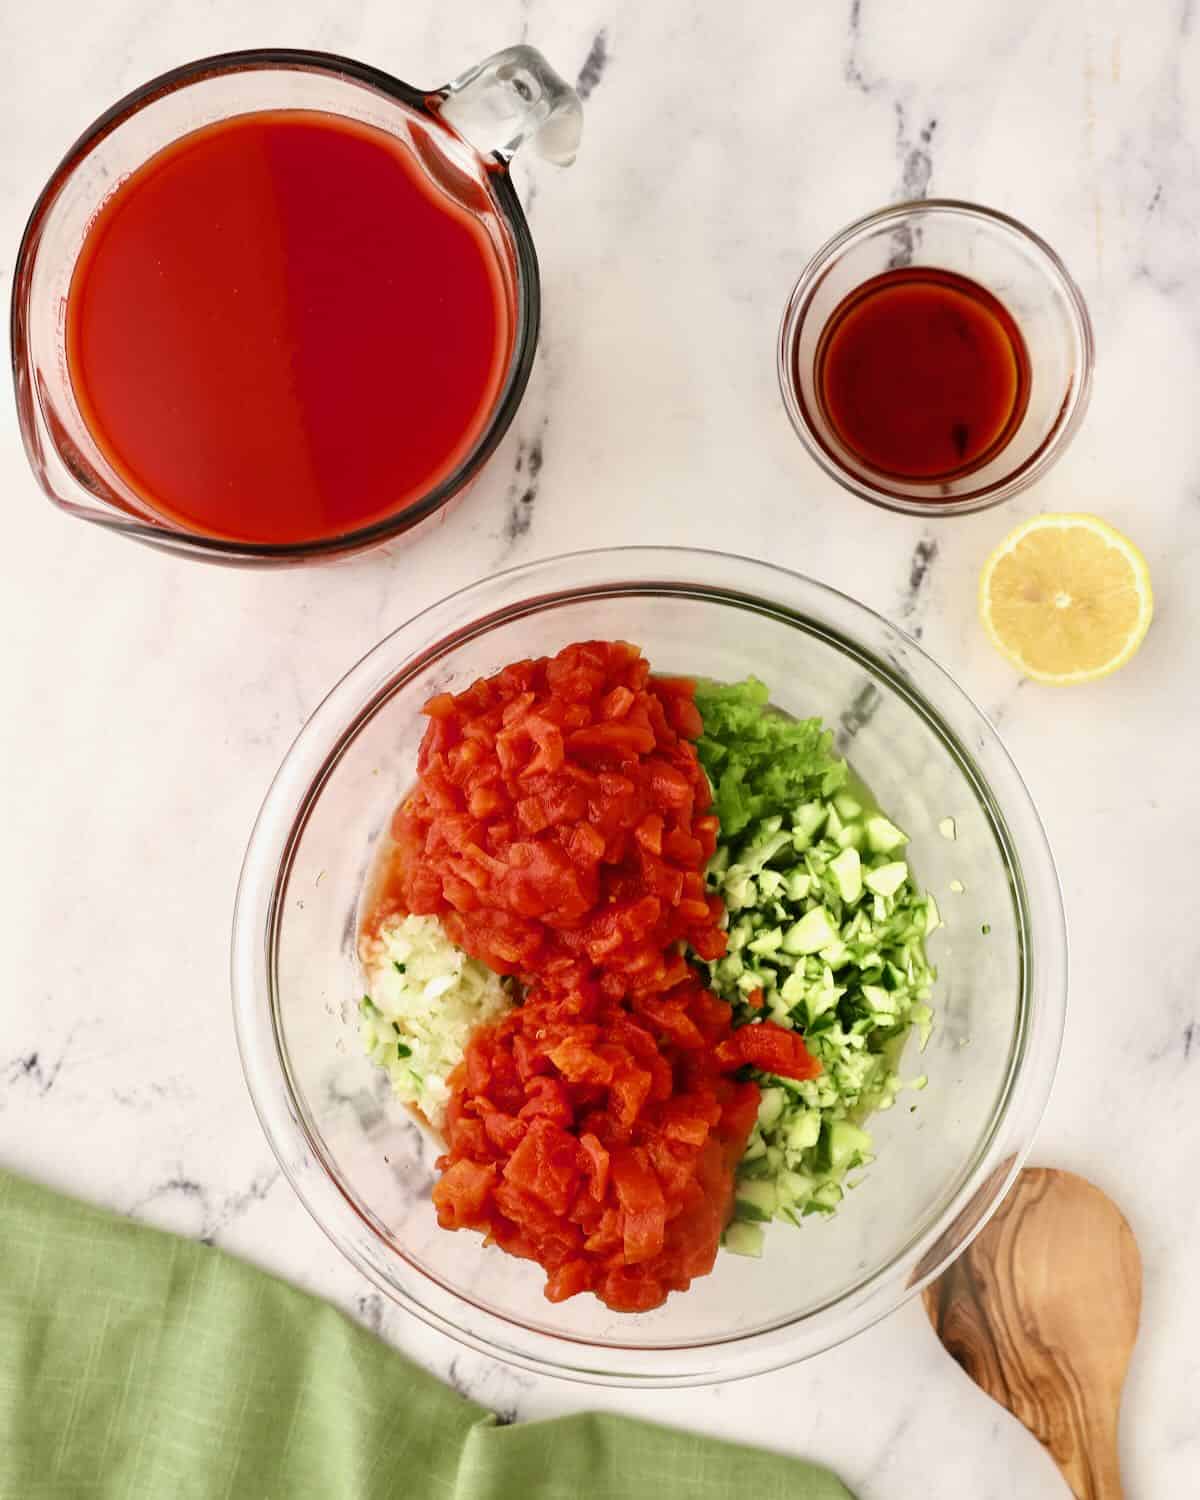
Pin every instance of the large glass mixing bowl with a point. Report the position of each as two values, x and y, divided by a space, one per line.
364 1168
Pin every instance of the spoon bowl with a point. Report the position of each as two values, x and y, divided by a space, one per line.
1042 1313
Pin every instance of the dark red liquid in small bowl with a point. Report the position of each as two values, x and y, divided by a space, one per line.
922 374
281 329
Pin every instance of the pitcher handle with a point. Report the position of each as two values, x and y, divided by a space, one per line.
510 98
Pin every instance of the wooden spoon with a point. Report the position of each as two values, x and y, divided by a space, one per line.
1042 1313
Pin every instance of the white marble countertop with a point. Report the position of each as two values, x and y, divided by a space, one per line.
150 700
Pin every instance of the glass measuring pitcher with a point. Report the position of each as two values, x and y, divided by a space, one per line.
278 305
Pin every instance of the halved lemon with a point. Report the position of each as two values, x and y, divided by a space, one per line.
1066 597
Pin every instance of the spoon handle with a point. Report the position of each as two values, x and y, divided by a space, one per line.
1090 1462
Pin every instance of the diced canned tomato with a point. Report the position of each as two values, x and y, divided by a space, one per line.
560 829
556 800
614 1184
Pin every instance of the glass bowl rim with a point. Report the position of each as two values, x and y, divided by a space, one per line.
995 1159
1071 414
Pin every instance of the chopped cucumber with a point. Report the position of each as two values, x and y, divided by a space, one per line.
814 931
759 1196
798 884
739 890
886 880
770 1106
826 1198
766 849
767 941
809 818
827 921
881 1001
803 1129
820 999
743 1238
883 836
755 1148
846 1145
794 1187
846 869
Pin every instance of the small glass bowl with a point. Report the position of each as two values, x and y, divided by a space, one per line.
1008 260
363 1166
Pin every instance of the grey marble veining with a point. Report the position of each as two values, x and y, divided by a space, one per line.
149 701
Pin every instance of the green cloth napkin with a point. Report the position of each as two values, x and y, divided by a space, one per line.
138 1365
